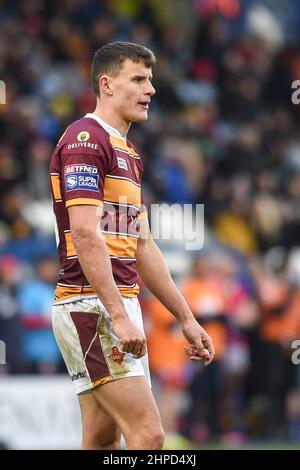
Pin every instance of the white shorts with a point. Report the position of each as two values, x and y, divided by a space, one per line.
90 348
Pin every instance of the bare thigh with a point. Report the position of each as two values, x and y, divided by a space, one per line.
129 401
99 430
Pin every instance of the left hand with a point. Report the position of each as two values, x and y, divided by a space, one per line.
200 343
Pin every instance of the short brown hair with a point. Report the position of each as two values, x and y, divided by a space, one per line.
109 59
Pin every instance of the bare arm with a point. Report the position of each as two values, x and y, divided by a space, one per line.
95 262
156 277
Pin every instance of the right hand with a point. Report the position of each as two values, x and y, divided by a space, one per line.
200 346
132 340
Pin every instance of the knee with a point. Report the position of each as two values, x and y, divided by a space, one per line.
148 439
98 444
157 440
115 445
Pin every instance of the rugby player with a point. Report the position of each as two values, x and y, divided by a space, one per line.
104 245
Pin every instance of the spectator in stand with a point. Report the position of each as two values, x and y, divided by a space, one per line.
36 297
10 328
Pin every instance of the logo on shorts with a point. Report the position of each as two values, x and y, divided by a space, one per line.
116 355
80 375
83 136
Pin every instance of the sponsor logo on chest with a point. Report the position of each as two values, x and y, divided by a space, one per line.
122 163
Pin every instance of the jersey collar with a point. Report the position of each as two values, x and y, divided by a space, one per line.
111 130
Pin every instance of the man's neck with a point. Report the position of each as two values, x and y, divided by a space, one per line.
114 121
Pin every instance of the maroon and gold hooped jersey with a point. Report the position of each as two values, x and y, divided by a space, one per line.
91 166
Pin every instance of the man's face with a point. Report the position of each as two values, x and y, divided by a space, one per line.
132 91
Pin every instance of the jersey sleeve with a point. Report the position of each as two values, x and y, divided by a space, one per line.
83 179
83 171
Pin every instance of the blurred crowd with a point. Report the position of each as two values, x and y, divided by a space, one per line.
223 132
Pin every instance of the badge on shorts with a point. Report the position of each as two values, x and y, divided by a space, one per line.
117 355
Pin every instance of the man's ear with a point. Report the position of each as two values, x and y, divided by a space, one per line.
105 85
